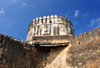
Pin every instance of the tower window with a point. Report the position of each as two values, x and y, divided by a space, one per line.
50 21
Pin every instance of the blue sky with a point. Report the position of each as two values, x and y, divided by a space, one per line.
15 15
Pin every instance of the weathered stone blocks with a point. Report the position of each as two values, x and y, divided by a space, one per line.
50 25
85 52
85 35
81 39
1 38
96 33
77 40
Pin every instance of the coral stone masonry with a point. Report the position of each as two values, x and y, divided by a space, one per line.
51 43
49 26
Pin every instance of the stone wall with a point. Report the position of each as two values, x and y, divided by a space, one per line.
85 38
84 55
53 25
82 52
17 54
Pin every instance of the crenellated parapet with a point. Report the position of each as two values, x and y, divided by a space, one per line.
85 37
50 25
48 20
9 39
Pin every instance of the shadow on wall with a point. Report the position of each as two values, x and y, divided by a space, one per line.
55 55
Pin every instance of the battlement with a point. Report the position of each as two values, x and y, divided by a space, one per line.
7 38
85 37
47 19
59 39
50 25
50 19
51 43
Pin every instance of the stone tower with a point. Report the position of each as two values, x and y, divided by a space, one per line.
50 26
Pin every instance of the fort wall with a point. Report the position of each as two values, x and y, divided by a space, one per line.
85 37
82 52
18 54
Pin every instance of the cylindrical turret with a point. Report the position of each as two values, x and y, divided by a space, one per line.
51 26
